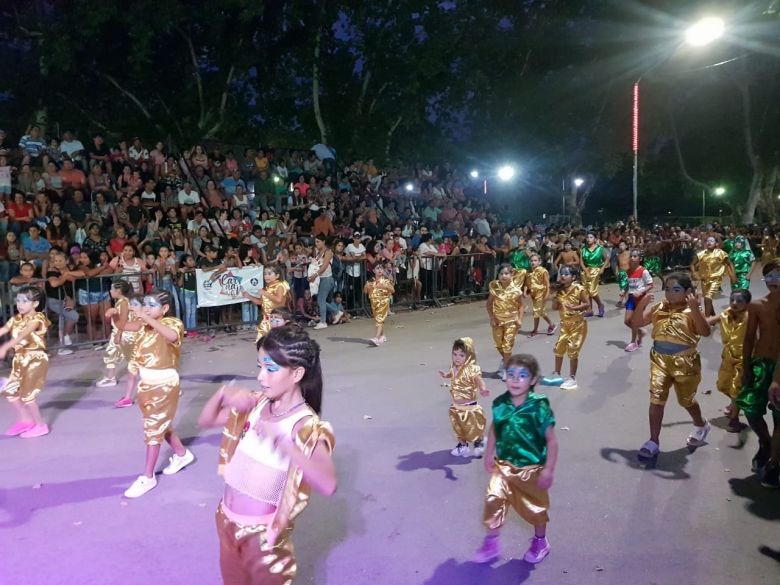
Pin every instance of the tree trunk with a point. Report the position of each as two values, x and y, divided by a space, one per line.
315 87
390 133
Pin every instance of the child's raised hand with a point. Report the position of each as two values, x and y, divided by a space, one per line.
443 374
693 301
238 398
111 312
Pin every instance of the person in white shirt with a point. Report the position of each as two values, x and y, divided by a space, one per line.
187 196
137 153
427 252
353 268
73 148
481 225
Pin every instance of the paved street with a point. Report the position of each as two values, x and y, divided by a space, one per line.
406 511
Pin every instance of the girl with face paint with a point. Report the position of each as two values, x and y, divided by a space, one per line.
275 449
275 293
709 267
156 353
520 457
538 283
380 290
678 325
743 261
594 261
30 365
733 326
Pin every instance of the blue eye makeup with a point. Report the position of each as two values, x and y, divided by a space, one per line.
269 364
517 374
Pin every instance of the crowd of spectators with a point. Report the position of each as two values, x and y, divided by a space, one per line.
77 214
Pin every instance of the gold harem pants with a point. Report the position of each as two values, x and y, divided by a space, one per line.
539 302
245 557
28 375
119 347
468 422
380 309
681 371
710 287
504 336
158 397
591 278
730 375
517 487
571 337
263 327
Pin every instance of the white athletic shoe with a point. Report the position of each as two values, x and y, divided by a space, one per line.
570 384
321 325
66 340
461 450
105 382
479 448
177 463
337 317
140 486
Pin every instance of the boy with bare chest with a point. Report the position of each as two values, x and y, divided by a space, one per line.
761 347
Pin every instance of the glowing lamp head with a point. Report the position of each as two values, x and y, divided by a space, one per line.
506 173
705 31
719 191
409 187
579 182
474 174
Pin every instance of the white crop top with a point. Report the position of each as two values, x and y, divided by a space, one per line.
257 469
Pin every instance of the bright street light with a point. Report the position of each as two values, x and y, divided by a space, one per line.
409 187
719 191
506 173
579 182
705 31
474 174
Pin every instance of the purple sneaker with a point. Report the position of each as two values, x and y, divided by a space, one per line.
489 551
540 548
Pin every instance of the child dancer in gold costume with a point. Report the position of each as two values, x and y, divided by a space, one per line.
678 325
276 293
505 309
521 455
274 450
31 363
538 284
466 416
157 352
733 325
571 301
709 266
380 290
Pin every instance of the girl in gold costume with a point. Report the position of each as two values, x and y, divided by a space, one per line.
678 324
571 300
276 293
157 352
380 290
733 325
121 342
31 363
505 309
466 416
538 284
708 267
274 450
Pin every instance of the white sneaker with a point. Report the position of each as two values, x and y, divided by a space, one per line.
177 463
570 384
66 340
321 325
64 351
337 317
461 450
105 382
699 435
140 486
479 448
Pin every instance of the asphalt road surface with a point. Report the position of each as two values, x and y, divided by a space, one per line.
406 511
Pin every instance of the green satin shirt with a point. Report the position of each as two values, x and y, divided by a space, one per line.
520 430
519 260
593 258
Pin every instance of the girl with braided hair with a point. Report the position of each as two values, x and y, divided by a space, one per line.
274 450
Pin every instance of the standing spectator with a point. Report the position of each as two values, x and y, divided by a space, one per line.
32 144
72 148
98 152
320 270
327 156
354 255
130 266
60 298
249 170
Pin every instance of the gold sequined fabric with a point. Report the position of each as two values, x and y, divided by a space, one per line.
516 487
37 339
158 401
153 351
28 375
468 422
508 300
674 324
683 372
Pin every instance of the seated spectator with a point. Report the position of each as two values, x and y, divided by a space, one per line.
95 242
187 197
76 211
149 197
99 182
199 221
98 152
323 226
57 232
72 148
11 254
230 182
32 144
20 214
102 211
72 178
214 196
137 153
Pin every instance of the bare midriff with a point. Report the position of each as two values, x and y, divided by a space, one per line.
242 504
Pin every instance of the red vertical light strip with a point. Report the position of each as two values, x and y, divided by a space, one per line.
635 122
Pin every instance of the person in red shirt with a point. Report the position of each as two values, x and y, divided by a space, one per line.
302 186
20 214
72 177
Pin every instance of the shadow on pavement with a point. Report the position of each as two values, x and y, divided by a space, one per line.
762 501
452 572
769 552
619 344
68 400
358 340
671 464
20 503
436 461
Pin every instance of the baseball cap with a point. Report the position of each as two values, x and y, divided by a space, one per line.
357 235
